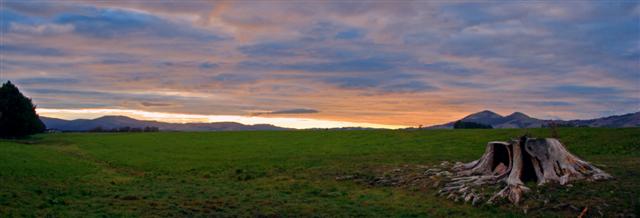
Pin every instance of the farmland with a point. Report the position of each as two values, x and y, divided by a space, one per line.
285 173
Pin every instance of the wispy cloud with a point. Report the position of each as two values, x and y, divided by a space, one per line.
154 104
286 111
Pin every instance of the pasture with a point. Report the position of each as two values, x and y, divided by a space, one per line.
286 173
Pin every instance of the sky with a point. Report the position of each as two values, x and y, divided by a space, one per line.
323 63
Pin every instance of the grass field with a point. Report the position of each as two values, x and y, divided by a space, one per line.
283 173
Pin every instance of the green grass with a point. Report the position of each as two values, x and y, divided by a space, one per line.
287 173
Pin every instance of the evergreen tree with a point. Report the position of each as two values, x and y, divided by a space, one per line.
18 116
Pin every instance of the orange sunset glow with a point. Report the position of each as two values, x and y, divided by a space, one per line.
321 64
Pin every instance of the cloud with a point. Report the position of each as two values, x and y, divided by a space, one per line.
554 103
208 65
586 90
358 65
350 34
412 86
48 91
287 111
46 80
40 9
405 63
26 49
112 23
510 28
451 68
273 49
154 104
44 29
354 82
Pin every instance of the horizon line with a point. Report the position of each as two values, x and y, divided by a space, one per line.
287 122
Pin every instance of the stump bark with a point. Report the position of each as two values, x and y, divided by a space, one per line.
539 160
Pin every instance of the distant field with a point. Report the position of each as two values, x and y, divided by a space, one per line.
281 173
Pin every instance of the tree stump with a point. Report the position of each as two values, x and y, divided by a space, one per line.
539 160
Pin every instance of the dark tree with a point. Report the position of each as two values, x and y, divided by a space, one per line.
470 125
124 129
97 129
18 116
151 129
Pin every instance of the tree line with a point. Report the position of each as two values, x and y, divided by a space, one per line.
470 125
126 129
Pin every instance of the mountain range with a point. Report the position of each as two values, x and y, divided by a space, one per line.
514 120
115 122
521 120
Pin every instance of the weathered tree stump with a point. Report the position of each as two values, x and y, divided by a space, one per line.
540 160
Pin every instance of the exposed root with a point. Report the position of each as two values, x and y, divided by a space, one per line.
500 174
512 192
508 165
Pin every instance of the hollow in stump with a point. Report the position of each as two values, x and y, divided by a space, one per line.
512 164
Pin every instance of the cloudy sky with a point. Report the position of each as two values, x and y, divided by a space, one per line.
323 63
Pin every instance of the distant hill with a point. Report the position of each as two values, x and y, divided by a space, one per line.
521 120
113 122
